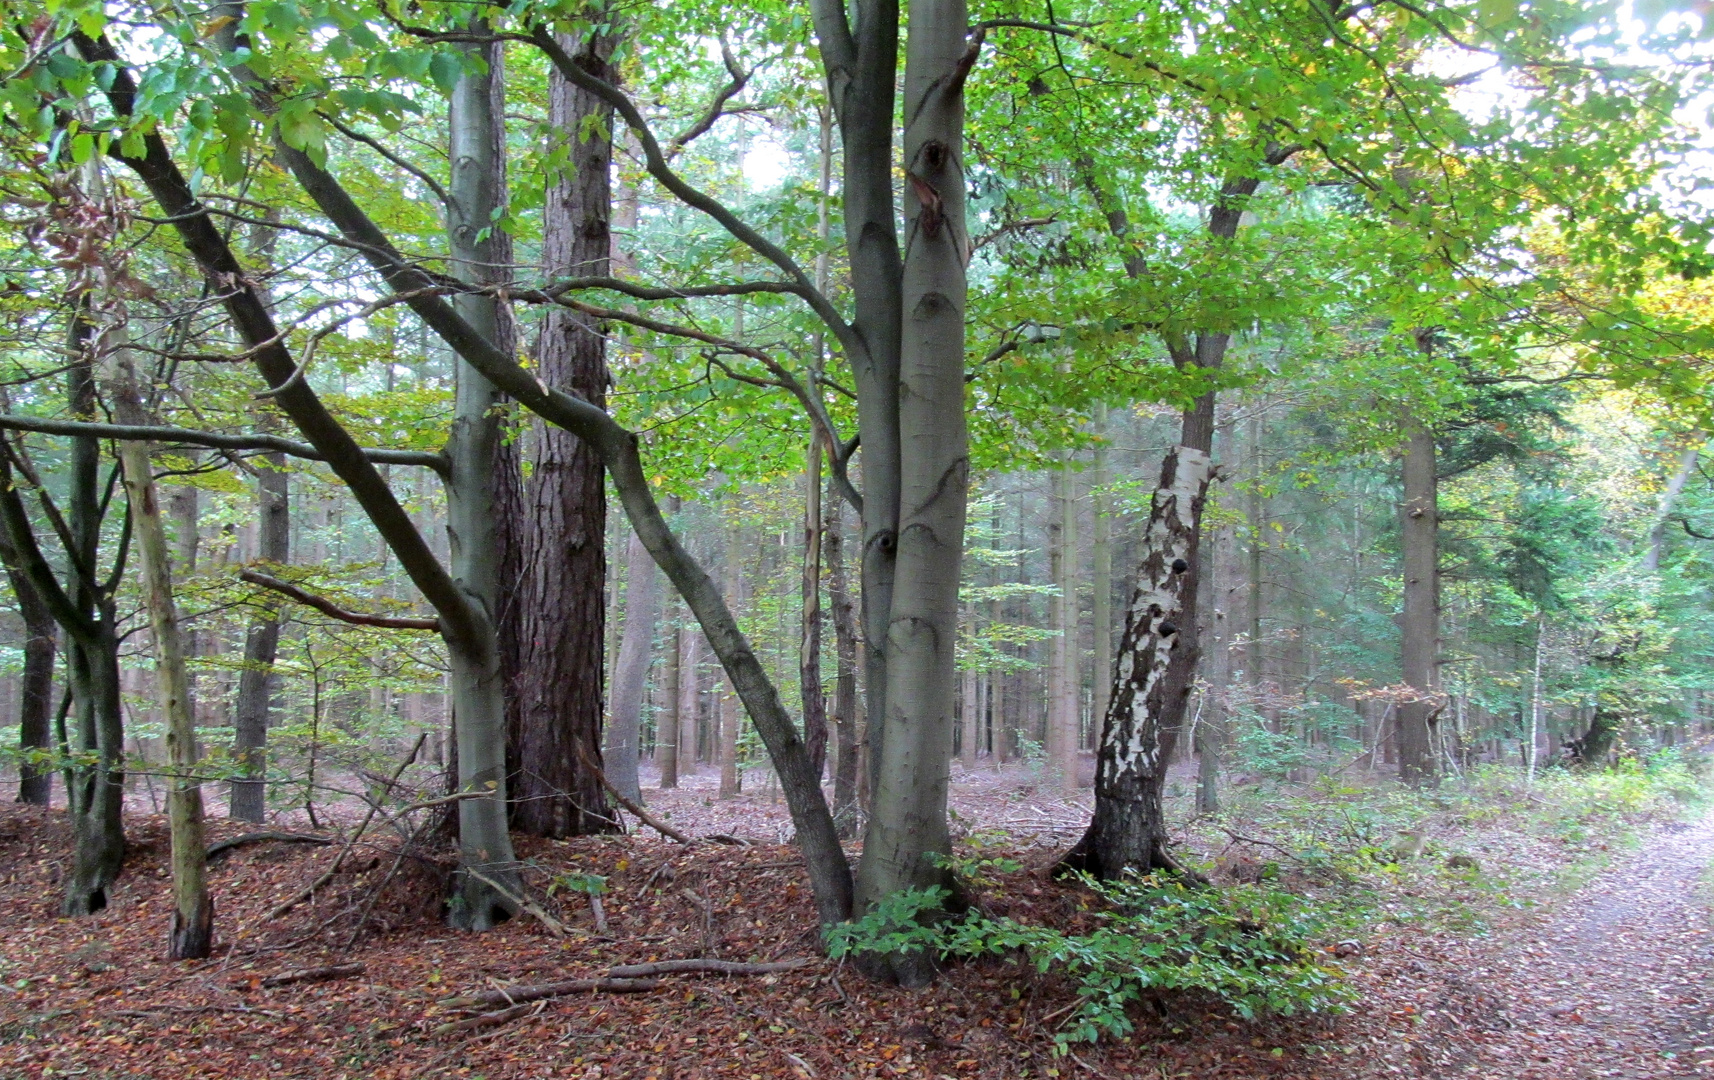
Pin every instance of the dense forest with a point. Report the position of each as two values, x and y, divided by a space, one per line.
1157 501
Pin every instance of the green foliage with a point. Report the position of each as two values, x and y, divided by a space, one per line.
1249 947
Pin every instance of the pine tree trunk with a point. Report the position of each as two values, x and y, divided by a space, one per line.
630 674
558 620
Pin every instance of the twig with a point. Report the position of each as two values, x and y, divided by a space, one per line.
315 974
1241 838
305 894
642 815
718 967
522 994
555 927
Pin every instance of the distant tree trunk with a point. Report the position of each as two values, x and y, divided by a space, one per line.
1419 522
847 776
1668 500
630 674
809 645
191 935
557 606
1535 698
1054 738
1253 523
36 687
731 779
1101 571
1063 681
248 800
1590 750
1214 612
671 729
1128 831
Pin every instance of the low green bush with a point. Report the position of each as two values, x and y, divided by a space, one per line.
1249 946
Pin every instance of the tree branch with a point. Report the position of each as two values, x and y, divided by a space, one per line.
212 439
328 607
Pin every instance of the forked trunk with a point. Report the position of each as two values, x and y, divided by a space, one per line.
907 837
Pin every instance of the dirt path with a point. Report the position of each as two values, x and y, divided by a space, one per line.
1617 981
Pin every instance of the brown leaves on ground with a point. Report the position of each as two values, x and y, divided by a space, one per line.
97 998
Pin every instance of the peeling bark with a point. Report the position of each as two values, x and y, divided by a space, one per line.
1127 831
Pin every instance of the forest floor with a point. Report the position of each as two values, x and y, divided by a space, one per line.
1582 947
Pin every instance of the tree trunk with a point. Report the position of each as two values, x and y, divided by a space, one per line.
559 621
907 838
1419 522
191 935
846 777
1215 615
256 681
36 687
482 254
729 721
669 736
1101 571
1127 831
809 645
1668 500
630 674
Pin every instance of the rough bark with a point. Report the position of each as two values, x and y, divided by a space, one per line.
1127 831
191 934
487 884
907 836
1419 522
556 674
630 674
256 680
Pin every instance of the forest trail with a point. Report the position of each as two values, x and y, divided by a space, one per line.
1616 981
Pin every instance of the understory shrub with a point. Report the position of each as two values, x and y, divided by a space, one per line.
1249 946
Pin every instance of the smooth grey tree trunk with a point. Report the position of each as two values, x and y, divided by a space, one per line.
482 253
907 838
630 674
670 732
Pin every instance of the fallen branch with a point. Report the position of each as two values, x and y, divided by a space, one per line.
488 1019
642 815
517 995
316 974
717 967
328 607
224 846
1242 839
